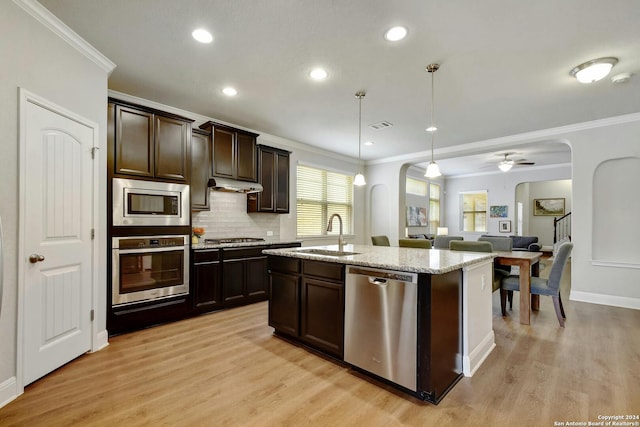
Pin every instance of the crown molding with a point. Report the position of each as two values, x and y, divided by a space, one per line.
59 28
556 133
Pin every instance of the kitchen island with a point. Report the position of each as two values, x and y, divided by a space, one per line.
442 306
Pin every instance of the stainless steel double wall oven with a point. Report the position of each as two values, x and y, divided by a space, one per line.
150 241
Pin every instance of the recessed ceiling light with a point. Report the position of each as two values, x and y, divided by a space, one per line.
594 70
396 33
202 35
431 129
368 143
318 74
229 91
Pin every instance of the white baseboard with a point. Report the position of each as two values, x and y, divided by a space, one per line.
8 391
472 361
615 301
101 341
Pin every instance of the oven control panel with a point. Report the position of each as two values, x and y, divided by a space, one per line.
149 242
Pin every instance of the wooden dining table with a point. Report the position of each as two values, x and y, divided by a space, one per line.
529 263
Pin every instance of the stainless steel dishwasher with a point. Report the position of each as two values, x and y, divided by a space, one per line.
381 323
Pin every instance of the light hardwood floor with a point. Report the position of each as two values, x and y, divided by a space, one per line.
227 369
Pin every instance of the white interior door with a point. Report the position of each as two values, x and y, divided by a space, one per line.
58 192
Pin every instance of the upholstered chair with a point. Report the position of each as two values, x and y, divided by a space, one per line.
380 241
415 243
539 286
474 246
442 242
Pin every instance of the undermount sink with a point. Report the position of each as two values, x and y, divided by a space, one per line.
327 252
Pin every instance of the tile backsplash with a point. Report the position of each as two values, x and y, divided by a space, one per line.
228 217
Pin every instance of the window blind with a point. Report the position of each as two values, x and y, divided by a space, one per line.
321 193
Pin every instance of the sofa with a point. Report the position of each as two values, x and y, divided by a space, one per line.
522 243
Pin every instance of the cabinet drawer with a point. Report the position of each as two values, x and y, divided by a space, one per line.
206 255
255 251
325 270
284 264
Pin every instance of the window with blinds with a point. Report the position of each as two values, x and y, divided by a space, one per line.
434 207
322 193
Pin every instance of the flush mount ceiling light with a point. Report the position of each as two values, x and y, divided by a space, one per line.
229 91
202 35
594 70
359 178
318 74
395 34
369 143
433 171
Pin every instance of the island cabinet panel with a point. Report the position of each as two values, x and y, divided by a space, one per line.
206 280
439 341
273 174
234 152
149 143
322 311
307 302
200 169
284 303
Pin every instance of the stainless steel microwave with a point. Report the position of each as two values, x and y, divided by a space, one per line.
137 202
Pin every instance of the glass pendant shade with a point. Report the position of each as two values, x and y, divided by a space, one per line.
359 179
433 171
505 166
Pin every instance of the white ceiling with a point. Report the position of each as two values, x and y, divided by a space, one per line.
504 65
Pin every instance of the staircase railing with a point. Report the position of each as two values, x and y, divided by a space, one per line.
562 228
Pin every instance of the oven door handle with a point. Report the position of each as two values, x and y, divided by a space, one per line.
151 250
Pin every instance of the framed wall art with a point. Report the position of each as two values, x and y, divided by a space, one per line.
504 226
498 211
548 207
416 216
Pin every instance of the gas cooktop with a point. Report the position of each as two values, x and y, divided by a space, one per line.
233 240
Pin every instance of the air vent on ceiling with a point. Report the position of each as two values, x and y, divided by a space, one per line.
381 125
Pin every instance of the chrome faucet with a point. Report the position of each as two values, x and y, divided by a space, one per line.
329 228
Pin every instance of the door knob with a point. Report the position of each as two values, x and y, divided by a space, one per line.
33 258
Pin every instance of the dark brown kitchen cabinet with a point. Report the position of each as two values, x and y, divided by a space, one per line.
234 152
206 280
150 143
200 169
308 305
273 174
244 272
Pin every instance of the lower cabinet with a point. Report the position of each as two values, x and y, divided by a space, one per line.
230 277
206 280
244 273
307 302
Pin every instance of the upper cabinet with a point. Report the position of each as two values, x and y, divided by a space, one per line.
200 169
148 143
234 152
273 175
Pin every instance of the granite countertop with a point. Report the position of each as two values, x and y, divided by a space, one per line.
203 245
432 261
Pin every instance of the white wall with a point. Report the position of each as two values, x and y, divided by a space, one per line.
542 226
39 61
501 188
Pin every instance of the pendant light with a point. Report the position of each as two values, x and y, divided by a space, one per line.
359 178
433 171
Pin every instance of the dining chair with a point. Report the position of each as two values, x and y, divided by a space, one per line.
501 244
549 287
475 246
415 243
442 242
380 241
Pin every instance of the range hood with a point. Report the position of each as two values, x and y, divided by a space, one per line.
233 185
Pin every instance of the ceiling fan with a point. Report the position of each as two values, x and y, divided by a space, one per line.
506 164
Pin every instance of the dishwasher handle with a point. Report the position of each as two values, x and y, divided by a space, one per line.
383 275
378 281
